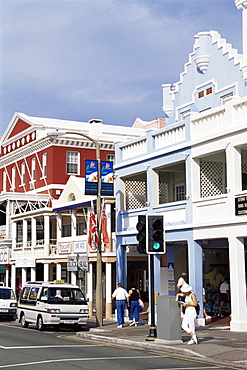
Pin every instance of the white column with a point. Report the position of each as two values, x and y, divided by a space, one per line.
237 284
33 273
34 231
73 277
46 271
59 225
47 234
13 277
24 236
7 277
23 276
8 233
73 222
14 234
90 288
108 290
58 271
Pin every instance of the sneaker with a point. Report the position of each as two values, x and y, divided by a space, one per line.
119 326
208 317
195 339
191 341
132 323
136 324
220 315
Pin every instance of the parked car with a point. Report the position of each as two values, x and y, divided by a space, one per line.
8 303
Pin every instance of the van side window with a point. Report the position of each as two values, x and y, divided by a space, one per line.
25 293
34 294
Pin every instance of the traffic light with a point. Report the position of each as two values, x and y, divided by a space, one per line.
141 236
156 242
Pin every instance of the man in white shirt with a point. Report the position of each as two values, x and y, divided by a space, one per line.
121 296
224 296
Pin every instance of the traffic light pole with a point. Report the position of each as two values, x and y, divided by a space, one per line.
152 330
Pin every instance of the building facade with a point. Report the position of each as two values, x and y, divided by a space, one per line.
193 172
44 212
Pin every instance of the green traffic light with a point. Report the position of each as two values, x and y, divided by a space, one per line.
156 246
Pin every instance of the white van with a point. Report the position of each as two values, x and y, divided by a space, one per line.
52 303
8 303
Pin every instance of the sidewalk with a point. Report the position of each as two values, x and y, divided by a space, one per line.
217 344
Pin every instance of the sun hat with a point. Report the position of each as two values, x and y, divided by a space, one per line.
186 288
183 274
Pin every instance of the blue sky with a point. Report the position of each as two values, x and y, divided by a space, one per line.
107 59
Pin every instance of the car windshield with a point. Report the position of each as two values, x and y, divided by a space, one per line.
7 294
63 295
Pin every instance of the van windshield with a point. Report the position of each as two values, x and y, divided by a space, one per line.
7 294
63 295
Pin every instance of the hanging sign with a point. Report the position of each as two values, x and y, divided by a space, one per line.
91 177
107 178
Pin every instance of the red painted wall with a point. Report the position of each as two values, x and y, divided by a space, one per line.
56 167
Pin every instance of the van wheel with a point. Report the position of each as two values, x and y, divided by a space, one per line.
24 323
40 324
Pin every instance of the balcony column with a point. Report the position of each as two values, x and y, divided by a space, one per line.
13 277
73 222
33 273
14 234
23 276
8 234
59 225
58 271
108 300
73 277
47 235
90 288
7 276
34 232
46 272
237 282
24 233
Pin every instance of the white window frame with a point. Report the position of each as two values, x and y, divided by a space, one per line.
33 173
13 178
23 173
44 165
73 158
111 158
4 181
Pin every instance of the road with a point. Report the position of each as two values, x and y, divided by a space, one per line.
28 349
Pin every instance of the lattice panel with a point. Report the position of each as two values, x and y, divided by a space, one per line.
135 192
163 192
244 168
212 176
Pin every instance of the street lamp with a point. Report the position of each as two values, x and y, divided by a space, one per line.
99 296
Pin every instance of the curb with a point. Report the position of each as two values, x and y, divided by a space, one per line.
156 347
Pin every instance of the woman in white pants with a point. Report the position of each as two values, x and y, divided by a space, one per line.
188 321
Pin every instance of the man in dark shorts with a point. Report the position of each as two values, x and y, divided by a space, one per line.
224 296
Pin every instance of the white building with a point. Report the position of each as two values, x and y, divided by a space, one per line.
194 173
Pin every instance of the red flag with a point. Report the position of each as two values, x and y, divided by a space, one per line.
104 226
93 232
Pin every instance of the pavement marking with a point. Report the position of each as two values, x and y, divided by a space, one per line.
78 359
50 346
